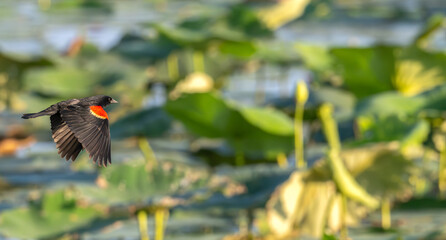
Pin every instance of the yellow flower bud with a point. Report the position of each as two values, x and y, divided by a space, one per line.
301 93
326 110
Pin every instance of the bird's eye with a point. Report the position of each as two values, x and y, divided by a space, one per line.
109 99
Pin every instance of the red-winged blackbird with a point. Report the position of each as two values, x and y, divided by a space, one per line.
78 124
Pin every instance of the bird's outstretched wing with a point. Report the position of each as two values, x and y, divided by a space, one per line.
66 141
90 127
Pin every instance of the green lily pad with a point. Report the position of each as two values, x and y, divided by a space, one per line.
276 52
259 181
23 62
377 69
343 102
55 214
433 99
153 122
134 183
183 36
394 103
316 58
67 81
102 6
388 176
389 103
15 67
243 50
247 21
251 130
366 71
393 128
144 51
268 120
329 237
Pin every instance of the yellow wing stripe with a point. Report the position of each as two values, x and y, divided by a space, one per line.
96 115
98 112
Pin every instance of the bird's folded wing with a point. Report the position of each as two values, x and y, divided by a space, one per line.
92 132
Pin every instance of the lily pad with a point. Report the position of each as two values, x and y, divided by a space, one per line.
55 214
393 128
366 71
243 50
388 103
394 103
246 20
183 36
102 6
135 183
317 58
251 130
153 122
258 182
23 62
67 81
144 51
377 69
388 176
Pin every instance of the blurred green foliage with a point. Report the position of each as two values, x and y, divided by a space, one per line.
135 183
380 142
54 214
248 130
150 123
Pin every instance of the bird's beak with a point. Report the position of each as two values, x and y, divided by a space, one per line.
113 101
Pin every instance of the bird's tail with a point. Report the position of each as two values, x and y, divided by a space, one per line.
33 115
49 111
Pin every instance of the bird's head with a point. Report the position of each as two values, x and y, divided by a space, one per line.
100 100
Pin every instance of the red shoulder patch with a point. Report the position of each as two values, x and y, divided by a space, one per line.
98 112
